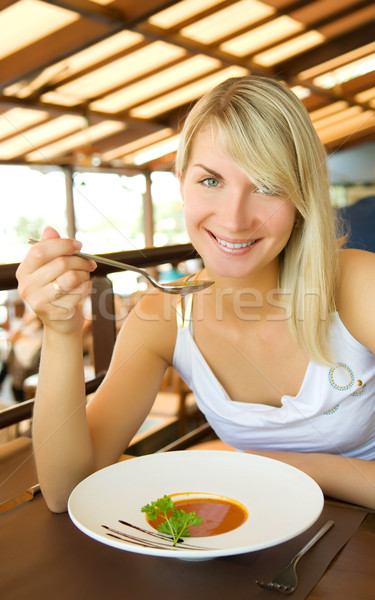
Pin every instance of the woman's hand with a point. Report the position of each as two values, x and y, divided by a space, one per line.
53 281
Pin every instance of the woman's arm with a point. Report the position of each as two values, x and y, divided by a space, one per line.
62 445
341 477
143 351
70 442
58 421
349 479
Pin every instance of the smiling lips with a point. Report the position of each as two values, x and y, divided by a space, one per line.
233 245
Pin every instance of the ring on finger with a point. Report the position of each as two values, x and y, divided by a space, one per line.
58 287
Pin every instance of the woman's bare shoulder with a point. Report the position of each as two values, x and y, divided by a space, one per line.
356 294
153 320
356 267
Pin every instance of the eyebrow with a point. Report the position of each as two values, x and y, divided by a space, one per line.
209 170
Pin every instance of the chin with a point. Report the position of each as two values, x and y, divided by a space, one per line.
237 272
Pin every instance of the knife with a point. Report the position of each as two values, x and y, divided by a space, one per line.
19 499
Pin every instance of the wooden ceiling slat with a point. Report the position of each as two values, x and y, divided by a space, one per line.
41 145
30 61
93 11
5 3
142 10
349 21
195 47
359 84
173 63
320 24
206 12
115 16
106 61
332 48
170 90
23 130
323 10
99 22
279 13
95 115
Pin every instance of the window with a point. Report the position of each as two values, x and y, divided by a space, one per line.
30 200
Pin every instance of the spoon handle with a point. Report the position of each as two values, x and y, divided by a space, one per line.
112 263
105 261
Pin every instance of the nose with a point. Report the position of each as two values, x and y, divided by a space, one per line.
237 213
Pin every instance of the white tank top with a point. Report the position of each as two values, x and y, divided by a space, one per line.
333 412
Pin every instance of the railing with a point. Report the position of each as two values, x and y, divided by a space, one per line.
145 257
103 325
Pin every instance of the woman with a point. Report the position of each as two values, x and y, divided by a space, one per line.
296 377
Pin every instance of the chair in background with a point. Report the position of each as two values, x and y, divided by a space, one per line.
359 219
104 336
175 399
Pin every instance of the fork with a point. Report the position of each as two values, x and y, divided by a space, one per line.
179 287
286 581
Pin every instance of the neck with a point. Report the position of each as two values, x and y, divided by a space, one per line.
253 298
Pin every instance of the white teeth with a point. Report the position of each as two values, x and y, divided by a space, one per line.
232 246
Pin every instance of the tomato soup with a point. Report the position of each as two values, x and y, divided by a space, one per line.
219 514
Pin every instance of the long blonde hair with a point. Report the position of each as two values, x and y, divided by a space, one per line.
267 131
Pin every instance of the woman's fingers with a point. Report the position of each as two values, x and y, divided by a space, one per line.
52 279
49 233
50 248
63 305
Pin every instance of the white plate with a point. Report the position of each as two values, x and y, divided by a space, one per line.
282 501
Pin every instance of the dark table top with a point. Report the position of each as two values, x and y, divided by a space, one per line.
43 555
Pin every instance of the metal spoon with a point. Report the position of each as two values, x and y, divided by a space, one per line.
183 287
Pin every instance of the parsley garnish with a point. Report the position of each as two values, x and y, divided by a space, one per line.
176 522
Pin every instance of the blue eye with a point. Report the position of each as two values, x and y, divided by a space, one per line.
210 182
266 191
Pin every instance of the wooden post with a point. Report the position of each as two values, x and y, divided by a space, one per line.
103 322
148 220
68 174
148 213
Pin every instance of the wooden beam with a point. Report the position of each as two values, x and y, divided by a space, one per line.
68 175
148 212
290 68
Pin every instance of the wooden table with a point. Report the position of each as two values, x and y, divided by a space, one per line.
43 555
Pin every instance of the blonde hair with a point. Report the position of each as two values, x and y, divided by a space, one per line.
267 131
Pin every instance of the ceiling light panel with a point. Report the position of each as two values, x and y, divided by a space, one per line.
27 21
365 96
330 109
124 69
98 52
226 21
337 62
180 12
286 50
337 117
348 128
185 94
65 69
157 136
162 82
301 92
346 73
61 99
349 22
269 33
82 138
103 2
15 120
154 151
37 136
